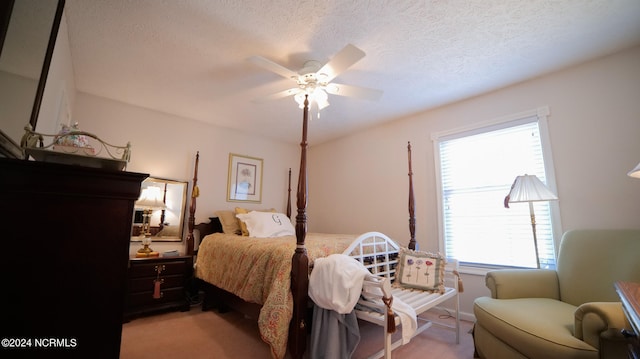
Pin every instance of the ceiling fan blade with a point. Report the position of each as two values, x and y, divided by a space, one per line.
348 56
353 91
273 67
281 94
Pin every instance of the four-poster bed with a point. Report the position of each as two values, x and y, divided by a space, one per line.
272 301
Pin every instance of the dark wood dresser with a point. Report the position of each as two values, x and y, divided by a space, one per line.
156 284
65 234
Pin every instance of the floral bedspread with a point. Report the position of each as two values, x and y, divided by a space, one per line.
258 270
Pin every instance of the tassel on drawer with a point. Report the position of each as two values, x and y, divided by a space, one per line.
157 294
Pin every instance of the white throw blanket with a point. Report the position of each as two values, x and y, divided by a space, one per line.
335 285
335 282
408 319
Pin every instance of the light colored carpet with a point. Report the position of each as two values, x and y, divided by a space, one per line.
197 334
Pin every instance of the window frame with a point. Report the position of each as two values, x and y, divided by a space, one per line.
541 115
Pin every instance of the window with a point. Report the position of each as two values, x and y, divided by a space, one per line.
475 169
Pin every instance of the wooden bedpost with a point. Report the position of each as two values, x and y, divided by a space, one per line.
412 215
289 196
163 212
300 261
192 207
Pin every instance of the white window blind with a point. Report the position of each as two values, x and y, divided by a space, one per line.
477 168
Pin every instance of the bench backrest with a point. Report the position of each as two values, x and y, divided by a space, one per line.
377 252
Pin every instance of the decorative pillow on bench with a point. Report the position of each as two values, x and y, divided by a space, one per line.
420 270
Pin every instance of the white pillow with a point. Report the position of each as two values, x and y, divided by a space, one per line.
267 224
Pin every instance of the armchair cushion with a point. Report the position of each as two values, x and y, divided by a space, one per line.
536 327
523 283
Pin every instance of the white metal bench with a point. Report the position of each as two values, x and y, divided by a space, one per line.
379 254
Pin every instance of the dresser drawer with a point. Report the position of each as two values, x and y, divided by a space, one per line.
145 269
147 283
144 299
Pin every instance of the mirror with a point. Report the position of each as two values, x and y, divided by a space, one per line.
160 211
28 31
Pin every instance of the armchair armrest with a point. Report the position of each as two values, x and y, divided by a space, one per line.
592 319
523 283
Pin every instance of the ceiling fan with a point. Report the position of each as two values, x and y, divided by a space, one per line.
314 79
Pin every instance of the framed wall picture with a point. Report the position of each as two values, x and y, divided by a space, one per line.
245 179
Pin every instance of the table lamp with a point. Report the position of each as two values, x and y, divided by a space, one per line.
150 200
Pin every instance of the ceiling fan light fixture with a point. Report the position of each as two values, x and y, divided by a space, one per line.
299 97
332 89
322 78
317 95
320 97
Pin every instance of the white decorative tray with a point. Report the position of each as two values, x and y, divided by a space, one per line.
115 157
75 159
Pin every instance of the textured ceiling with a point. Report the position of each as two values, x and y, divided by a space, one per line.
189 57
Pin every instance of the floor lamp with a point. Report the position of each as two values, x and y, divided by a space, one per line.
529 188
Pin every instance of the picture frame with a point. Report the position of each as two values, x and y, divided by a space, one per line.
244 183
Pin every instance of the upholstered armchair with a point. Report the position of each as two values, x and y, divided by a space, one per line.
570 312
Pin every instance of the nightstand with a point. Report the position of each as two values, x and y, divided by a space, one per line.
155 284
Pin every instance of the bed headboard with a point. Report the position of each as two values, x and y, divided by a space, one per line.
205 228
214 225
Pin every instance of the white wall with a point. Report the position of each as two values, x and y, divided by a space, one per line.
594 126
165 146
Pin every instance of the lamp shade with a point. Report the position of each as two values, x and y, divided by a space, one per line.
151 198
529 188
635 172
